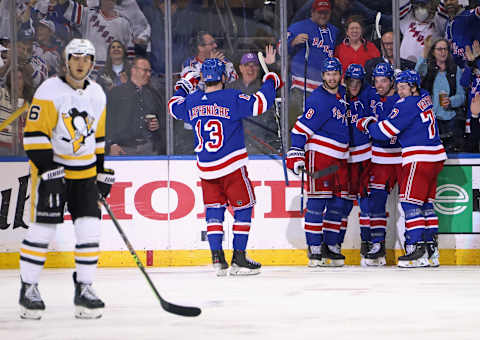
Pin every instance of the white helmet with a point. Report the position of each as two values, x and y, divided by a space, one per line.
80 47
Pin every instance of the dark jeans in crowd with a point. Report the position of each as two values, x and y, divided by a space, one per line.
451 134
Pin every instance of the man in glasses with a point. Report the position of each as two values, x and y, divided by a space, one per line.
387 57
205 47
136 114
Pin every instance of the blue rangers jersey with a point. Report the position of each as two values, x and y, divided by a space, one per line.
470 80
475 88
323 127
412 120
216 118
322 42
462 31
360 147
383 152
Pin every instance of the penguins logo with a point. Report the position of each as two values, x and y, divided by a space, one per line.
79 126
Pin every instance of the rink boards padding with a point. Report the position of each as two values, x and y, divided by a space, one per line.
164 216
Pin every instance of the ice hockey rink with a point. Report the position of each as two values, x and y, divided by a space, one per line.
280 303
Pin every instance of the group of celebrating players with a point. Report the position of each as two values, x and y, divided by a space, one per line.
374 137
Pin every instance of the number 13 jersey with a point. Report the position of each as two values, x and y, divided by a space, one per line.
216 118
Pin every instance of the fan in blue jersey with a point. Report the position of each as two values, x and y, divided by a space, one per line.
412 121
386 160
471 80
306 68
461 32
360 150
322 132
216 116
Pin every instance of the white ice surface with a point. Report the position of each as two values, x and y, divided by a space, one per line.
280 303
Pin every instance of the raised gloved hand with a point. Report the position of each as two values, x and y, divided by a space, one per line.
51 196
295 160
362 123
105 180
188 82
276 79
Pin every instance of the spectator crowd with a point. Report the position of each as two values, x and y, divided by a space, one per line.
438 39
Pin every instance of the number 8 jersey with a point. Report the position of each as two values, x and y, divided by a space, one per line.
216 118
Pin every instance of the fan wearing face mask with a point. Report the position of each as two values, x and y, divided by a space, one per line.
416 24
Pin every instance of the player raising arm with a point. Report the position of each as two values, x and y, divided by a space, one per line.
65 140
216 116
412 120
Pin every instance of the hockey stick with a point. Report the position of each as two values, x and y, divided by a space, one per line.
12 117
377 25
167 306
301 191
307 54
277 116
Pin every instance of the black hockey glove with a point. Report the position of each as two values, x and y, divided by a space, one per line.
105 181
51 196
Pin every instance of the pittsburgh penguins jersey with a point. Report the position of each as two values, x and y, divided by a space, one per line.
70 124
323 127
412 120
383 152
216 118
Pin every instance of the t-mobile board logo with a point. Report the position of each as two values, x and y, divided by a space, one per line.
454 200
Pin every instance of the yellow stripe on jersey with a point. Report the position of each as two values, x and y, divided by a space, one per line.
100 132
81 158
33 190
99 151
42 117
81 174
43 146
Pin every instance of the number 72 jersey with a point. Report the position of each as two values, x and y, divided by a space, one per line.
216 118
412 120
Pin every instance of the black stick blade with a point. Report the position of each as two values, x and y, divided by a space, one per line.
180 310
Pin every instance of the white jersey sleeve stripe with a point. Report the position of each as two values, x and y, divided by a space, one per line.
260 105
173 101
302 129
385 130
36 140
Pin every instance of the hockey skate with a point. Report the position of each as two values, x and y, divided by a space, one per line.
314 254
433 253
87 304
242 265
331 256
376 254
219 262
31 303
364 248
416 256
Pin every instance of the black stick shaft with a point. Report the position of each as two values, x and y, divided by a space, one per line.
169 307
